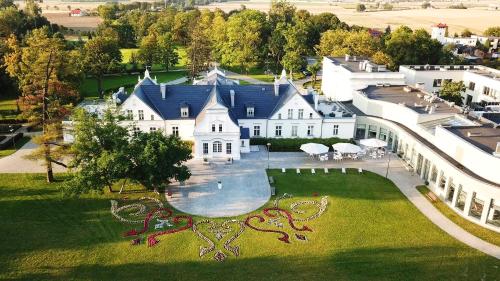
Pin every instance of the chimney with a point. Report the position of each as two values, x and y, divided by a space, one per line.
316 101
231 93
163 89
276 87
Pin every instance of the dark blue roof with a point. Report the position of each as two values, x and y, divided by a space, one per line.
262 97
244 133
309 98
176 95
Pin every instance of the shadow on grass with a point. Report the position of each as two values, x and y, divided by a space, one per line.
432 263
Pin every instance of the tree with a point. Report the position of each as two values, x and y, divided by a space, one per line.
166 51
244 46
107 11
340 42
6 3
426 5
101 152
360 7
466 33
295 49
492 31
159 159
148 50
44 71
198 50
100 55
314 69
405 46
452 91
383 59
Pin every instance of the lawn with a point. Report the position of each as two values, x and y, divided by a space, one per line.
369 231
181 50
10 150
474 229
112 83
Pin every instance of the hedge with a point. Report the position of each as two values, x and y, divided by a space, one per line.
293 145
8 143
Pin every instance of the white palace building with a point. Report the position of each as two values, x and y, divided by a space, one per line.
456 151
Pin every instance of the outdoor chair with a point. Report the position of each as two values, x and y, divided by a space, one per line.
360 170
326 170
313 171
344 171
298 171
283 170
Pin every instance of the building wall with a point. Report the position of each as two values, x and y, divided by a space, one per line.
338 83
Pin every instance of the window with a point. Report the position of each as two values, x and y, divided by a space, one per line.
141 114
242 143
493 217
335 130
205 148
301 114
213 127
462 196
279 115
220 128
175 131
250 112
310 130
152 129
437 82
472 86
451 192
487 91
130 115
136 130
442 181
290 113
310 115
228 148
278 131
372 131
185 111
152 117
476 207
434 174
217 147
256 131
383 134
294 131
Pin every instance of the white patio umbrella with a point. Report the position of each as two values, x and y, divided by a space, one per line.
314 148
373 142
346 147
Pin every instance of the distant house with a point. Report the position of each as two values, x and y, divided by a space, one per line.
77 13
375 33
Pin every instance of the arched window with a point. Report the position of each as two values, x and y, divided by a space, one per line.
217 147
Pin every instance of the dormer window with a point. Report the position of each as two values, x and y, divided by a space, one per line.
184 110
250 111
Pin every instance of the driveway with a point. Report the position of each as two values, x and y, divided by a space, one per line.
18 163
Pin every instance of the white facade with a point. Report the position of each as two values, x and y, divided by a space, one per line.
342 76
482 83
460 173
438 32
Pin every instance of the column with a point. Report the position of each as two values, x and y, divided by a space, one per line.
446 187
468 202
486 208
455 196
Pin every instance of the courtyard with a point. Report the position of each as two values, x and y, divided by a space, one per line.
353 226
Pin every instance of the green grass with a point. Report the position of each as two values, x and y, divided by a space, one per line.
472 228
369 231
89 85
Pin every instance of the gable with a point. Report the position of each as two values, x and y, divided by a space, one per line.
296 101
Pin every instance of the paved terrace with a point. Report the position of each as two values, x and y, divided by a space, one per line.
414 99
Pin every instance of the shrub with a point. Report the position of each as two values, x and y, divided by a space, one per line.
360 7
293 145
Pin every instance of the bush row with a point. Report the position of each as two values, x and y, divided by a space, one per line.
8 143
293 145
